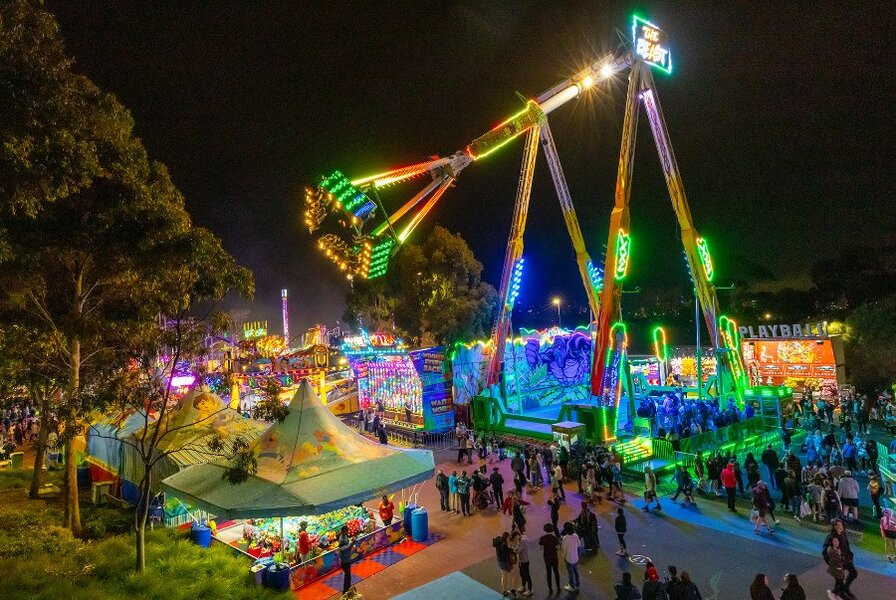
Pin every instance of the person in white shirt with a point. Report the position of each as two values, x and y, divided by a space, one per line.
570 543
848 488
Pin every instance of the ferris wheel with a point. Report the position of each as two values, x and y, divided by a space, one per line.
357 233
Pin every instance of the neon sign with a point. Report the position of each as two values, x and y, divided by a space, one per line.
650 44
705 258
623 248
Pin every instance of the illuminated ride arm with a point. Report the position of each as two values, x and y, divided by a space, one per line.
336 193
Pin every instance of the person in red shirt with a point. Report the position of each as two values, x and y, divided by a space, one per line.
729 480
303 550
386 510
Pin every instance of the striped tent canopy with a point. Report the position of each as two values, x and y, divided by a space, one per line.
187 432
311 463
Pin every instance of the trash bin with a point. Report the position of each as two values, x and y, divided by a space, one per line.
420 525
202 536
18 460
277 577
408 510
258 573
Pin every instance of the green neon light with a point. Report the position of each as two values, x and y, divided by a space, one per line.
379 258
612 346
731 337
649 40
506 131
623 250
660 348
705 258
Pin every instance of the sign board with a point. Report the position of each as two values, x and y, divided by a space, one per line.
790 331
650 44
799 363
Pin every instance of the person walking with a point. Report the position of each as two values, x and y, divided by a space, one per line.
520 541
452 489
838 532
570 543
836 569
345 558
888 532
759 589
848 489
875 490
442 486
463 491
616 493
729 482
586 524
519 519
771 461
832 505
549 545
557 482
497 482
792 589
687 589
625 589
554 505
650 490
621 526
506 558
761 506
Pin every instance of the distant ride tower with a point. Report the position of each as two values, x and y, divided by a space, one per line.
285 315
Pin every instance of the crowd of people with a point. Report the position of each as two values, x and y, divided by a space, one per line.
673 416
18 426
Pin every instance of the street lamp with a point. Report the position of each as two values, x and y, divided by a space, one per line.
556 302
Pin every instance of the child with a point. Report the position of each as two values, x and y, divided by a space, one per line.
621 527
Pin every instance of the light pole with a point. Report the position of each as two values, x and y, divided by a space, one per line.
556 302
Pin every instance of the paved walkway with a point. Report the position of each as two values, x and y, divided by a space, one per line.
718 548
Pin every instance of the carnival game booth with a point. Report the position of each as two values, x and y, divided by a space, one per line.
186 438
410 390
311 467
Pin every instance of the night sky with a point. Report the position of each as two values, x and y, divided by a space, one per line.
781 119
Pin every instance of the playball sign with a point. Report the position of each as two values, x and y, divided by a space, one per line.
784 331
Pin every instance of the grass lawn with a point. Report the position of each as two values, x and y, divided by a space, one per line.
40 560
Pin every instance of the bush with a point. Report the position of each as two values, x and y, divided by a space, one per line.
99 522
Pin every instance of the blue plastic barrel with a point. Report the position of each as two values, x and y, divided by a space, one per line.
420 525
277 577
202 536
408 510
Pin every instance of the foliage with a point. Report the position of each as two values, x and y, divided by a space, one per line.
870 347
42 561
433 291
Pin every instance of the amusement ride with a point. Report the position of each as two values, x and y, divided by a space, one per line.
343 212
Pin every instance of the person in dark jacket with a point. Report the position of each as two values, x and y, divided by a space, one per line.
586 523
625 590
549 542
688 590
770 459
621 527
838 531
442 486
653 588
792 589
497 481
759 589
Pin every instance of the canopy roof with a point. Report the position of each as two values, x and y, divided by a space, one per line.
309 464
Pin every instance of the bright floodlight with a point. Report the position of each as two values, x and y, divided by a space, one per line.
606 71
587 82
556 301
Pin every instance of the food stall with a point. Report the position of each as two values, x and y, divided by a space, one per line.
310 464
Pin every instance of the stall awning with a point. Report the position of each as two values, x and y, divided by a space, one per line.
310 464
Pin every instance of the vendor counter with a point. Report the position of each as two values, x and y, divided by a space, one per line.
323 564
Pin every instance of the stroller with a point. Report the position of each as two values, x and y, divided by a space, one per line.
485 498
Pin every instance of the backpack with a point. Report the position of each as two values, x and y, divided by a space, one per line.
830 499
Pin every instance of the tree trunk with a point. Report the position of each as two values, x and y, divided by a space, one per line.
140 517
72 508
41 447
